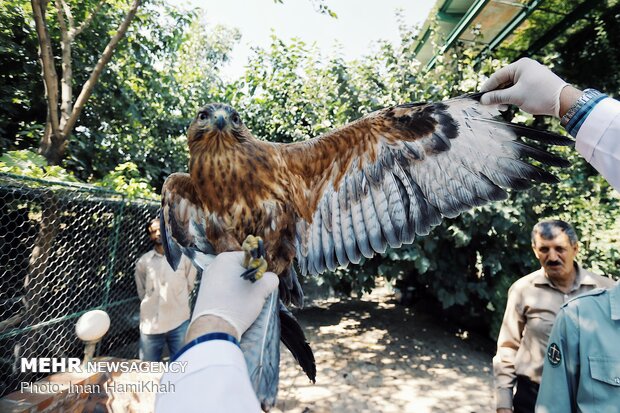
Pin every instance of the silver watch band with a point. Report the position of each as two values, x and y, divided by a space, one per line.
585 97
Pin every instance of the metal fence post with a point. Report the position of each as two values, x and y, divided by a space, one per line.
118 220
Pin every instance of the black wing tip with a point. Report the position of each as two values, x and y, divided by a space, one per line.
524 130
545 177
553 160
475 96
540 135
541 155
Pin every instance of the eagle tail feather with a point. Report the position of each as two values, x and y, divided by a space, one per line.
293 337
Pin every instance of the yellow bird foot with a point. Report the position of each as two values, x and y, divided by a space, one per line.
254 259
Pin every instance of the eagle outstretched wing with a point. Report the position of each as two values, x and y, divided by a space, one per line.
397 172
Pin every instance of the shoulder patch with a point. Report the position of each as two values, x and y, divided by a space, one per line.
554 355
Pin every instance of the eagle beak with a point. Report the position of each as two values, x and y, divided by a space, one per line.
220 122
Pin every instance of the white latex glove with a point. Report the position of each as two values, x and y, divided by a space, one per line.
223 293
533 88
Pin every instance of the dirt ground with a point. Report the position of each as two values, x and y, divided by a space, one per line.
374 355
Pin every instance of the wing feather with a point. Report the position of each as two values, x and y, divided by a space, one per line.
327 242
357 215
396 210
339 247
371 222
348 234
406 193
383 213
183 220
397 172
301 245
317 262
327 239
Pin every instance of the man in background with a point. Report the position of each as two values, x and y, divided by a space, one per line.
533 302
164 295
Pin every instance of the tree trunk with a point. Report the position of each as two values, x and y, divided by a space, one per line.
36 285
60 123
52 147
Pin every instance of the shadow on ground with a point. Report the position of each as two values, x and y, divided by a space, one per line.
376 356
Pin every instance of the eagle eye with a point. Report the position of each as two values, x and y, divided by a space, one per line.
202 116
235 118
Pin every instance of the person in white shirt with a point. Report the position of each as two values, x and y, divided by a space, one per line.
164 299
216 379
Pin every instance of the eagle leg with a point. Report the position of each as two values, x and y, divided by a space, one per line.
254 259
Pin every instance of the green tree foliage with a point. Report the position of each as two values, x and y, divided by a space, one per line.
166 66
22 108
587 49
593 44
125 178
33 165
291 92
133 133
166 69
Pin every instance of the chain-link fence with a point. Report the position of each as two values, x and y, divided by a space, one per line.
64 250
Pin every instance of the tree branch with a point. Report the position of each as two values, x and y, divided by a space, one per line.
68 13
88 87
87 21
66 81
50 78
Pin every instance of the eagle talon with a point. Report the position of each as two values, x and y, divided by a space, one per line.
256 269
254 259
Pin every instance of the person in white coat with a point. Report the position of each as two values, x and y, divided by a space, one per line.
589 116
216 378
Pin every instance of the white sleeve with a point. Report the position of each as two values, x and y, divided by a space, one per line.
598 140
215 380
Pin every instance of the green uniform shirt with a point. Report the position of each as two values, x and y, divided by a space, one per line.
581 372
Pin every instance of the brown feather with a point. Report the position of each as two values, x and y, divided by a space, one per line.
329 157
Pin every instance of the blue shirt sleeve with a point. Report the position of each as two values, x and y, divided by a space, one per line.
574 124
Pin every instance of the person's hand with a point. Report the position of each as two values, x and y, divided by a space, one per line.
528 85
226 300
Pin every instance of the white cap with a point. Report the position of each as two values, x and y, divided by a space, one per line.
93 325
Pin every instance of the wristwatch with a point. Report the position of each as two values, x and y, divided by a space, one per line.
587 96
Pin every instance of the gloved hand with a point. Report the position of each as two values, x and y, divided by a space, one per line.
532 87
223 293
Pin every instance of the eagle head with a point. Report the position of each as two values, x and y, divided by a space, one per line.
217 120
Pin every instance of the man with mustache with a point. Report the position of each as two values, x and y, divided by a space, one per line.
533 302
